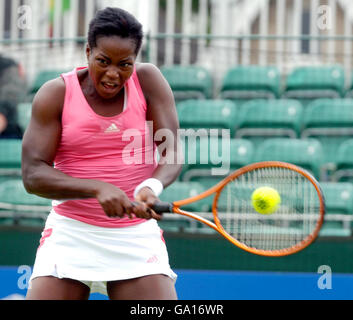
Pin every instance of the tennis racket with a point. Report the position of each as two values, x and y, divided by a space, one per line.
292 227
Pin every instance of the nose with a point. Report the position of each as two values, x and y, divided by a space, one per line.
112 72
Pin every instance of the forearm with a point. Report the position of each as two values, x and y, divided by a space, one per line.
48 182
171 161
169 166
167 173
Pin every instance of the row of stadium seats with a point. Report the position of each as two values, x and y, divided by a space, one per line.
201 156
338 201
204 154
286 114
328 120
245 82
17 207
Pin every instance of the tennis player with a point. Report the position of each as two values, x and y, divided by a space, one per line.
101 235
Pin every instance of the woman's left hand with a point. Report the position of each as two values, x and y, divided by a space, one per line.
147 198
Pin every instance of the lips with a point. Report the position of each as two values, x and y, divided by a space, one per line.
110 86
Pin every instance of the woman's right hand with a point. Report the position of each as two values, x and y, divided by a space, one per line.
116 203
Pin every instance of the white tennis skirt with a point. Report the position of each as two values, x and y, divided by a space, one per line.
95 255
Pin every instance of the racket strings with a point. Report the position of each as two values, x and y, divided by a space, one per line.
294 220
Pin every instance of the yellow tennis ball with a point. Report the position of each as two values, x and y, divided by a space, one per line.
265 200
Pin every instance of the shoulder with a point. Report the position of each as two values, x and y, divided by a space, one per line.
147 73
151 79
50 97
54 87
146 69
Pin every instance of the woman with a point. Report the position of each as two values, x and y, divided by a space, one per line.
91 124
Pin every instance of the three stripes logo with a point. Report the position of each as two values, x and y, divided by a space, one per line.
153 259
112 129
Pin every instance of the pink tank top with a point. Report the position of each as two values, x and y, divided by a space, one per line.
117 149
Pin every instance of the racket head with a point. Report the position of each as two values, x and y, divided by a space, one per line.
291 228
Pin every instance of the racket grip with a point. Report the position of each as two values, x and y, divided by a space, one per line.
162 207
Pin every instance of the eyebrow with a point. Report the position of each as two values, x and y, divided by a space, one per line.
122 60
106 57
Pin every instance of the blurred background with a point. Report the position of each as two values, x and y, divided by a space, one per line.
276 73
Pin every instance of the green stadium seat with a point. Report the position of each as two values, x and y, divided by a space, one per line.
10 158
349 92
338 197
178 191
339 208
263 119
207 114
343 170
44 76
10 169
181 190
13 192
329 121
24 111
10 155
21 208
211 159
309 83
242 83
188 82
304 153
243 192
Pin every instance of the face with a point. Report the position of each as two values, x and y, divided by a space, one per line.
111 64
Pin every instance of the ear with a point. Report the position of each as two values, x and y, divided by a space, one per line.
88 51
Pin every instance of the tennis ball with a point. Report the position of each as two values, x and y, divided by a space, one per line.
265 200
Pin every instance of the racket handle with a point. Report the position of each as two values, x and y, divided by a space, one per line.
162 207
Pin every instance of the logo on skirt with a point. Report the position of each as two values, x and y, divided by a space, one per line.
153 259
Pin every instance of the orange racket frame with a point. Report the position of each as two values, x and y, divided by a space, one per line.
217 225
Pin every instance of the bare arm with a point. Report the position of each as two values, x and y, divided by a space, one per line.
39 146
162 112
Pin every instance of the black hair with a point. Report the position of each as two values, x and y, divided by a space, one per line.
5 63
115 22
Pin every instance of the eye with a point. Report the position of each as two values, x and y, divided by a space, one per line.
126 65
102 61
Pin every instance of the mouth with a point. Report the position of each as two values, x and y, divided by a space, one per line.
110 86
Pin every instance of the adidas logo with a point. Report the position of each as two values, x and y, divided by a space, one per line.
153 259
112 128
